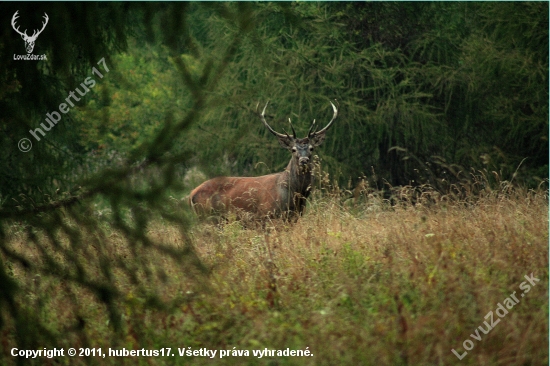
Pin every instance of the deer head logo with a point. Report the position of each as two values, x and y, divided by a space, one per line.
29 41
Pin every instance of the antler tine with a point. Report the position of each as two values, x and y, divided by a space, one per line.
312 129
46 18
13 19
37 32
262 116
331 121
291 126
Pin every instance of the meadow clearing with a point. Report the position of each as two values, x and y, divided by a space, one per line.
362 283
433 251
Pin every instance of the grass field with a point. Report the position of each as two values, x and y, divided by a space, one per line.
370 284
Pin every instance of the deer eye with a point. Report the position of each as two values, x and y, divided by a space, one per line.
311 148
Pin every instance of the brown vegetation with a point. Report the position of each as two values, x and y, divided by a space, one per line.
376 284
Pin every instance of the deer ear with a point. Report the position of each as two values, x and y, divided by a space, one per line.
286 142
317 140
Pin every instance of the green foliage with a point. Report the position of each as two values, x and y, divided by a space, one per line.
62 236
437 93
426 90
141 91
75 39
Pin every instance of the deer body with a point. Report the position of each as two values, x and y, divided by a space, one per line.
276 195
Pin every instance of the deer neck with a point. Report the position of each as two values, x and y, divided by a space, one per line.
299 181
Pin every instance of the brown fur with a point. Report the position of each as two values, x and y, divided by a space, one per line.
281 194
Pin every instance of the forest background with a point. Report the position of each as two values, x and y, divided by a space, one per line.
426 92
449 98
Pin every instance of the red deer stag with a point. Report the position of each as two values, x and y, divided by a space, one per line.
276 195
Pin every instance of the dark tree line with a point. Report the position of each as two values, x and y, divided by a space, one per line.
426 91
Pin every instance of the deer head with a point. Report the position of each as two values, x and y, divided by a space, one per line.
29 40
301 149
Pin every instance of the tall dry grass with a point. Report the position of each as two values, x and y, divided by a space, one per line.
368 283
399 284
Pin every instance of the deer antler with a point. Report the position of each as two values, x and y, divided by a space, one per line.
312 134
34 36
13 19
262 116
291 126
312 129
24 34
